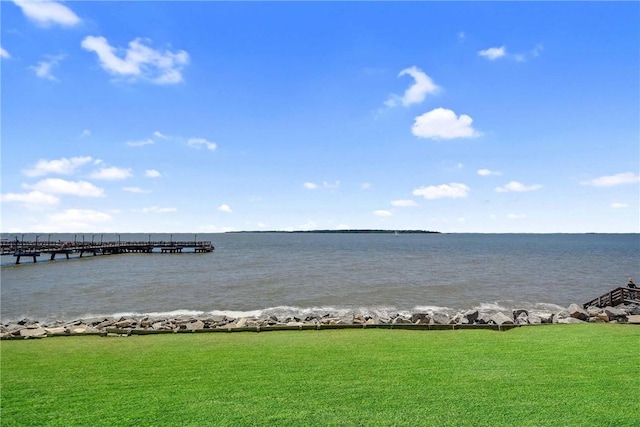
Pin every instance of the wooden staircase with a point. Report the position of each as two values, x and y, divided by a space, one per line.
615 297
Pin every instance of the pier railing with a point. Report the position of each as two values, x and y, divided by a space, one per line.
35 249
8 247
615 297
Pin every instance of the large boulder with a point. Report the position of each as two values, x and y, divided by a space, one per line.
483 318
401 320
124 323
195 325
471 316
440 319
534 319
633 310
615 314
94 321
569 320
13 328
359 319
81 329
157 326
545 317
517 312
601 317
58 330
420 318
522 319
294 323
577 312
105 323
593 311
33 332
457 319
500 318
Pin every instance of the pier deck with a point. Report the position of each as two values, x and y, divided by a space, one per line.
616 297
35 249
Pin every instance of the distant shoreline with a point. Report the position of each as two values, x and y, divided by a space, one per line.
355 231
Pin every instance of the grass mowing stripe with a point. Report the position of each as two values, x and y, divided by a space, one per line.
553 375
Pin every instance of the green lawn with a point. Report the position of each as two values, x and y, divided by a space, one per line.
560 375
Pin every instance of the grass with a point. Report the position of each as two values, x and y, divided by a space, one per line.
561 375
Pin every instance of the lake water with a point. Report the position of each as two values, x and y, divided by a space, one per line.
289 273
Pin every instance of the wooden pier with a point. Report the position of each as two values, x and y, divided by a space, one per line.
36 249
616 297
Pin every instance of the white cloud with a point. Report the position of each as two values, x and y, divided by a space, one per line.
618 205
453 190
62 186
442 123
537 50
417 92
31 199
225 208
4 54
152 173
201 142
44 69
77 220
613 180
517 187
46 13
366 185
112 173
461 36
135 190
160 135
138 61
404 203
382 213
141 143
325 184
62 166
85 133
157 209
488 172
493 53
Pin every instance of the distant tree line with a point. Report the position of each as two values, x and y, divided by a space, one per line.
363 231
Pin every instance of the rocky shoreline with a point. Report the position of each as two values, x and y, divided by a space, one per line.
486 319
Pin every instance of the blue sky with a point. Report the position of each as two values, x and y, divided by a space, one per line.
220 116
